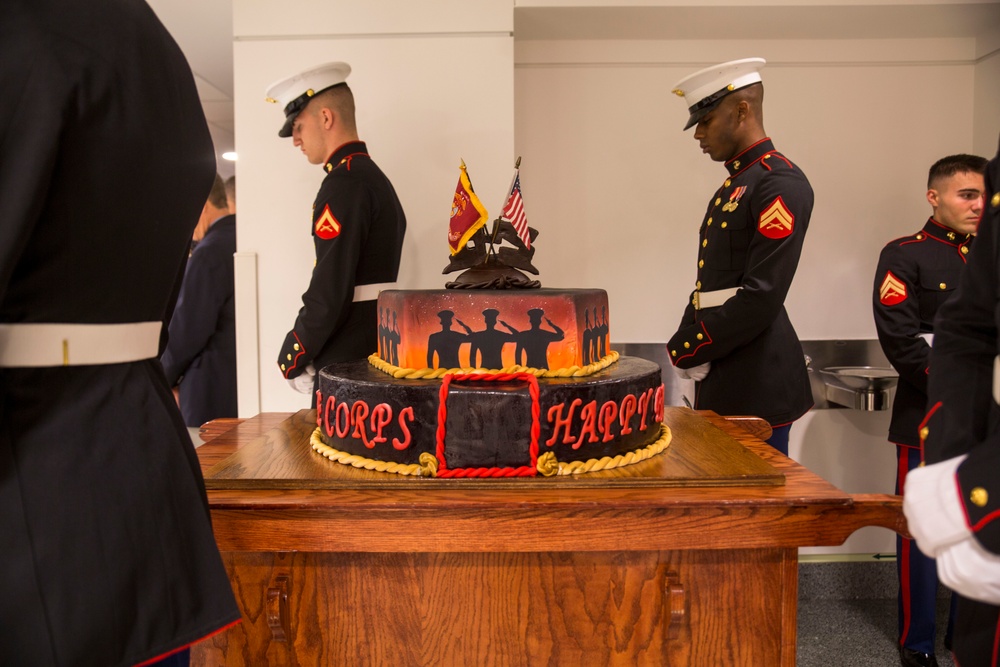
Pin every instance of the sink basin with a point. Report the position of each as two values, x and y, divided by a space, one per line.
864 378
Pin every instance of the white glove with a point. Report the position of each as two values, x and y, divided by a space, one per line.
304 383
970 570
697 373
933 508
928 338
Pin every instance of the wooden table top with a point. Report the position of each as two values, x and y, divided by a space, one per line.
785 504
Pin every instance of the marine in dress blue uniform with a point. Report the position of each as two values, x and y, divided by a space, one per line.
357 227
916 274
735 337
952 503
106 549
201 352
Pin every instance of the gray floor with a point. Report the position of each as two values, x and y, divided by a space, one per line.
847 616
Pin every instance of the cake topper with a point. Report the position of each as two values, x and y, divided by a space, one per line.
473 249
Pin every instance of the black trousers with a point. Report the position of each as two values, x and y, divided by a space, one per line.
977 634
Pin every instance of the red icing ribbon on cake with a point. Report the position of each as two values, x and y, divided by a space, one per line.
522 471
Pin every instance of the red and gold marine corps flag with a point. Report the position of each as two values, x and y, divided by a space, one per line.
892 291
468 214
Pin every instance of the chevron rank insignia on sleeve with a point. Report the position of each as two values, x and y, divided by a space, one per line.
892 291
327 227
776 221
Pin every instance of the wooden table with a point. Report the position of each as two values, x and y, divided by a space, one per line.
690 569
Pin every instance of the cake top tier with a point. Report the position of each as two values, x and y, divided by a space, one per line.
425 333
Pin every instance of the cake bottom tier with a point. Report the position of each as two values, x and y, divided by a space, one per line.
489 425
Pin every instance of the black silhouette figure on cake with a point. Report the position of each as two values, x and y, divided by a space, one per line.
588 339
601 334
488 343
533 344
383 333
393 338
445 343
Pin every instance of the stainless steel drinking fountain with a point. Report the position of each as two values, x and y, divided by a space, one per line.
860 387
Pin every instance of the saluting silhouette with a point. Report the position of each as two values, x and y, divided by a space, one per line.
534 342
488 343
445 343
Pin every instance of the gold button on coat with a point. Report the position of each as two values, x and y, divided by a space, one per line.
288 356
282 367
701 263
724 225
979 497
943 286
699 336
704 243
709 223
965 250
996 199
295 347
924 432
718 200
727 183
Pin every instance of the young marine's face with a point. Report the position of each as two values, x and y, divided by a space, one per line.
307 137
716 131
958 201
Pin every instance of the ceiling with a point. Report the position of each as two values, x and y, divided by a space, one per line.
204 30
919 19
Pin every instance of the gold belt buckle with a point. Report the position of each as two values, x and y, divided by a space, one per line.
696 300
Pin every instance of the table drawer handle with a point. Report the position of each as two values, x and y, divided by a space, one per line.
277 609
676 605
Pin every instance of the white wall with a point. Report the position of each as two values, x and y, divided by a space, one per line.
607 166
431 89
987 104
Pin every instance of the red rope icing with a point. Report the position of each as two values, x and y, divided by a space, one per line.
536 429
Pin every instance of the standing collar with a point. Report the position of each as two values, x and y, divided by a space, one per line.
343 152
749 156
936 230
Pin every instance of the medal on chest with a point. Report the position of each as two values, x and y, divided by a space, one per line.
734 199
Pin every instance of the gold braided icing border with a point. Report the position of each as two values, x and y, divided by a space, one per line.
436 373
547 464
426 468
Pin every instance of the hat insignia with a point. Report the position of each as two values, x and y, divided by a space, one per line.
678 92
271 100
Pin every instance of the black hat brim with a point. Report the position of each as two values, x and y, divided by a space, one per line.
286 129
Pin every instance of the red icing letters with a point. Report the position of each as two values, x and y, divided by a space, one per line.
404 414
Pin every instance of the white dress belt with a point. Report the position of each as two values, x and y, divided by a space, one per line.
996 379
38 345
370 292
701 300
